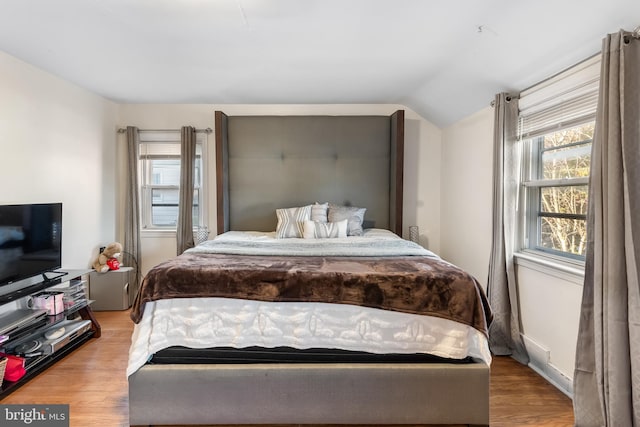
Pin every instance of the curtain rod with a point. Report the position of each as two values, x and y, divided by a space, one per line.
517 94
123 130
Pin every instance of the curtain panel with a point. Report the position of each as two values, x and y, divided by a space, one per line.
184 233
502 290
132 204
607 372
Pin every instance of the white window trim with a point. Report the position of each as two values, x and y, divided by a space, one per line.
552 265
569 182
532 187
158 233
173 136
536 98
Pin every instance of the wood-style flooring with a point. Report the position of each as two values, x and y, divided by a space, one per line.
92 381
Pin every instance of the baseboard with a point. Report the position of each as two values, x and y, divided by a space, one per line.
539 361
557 378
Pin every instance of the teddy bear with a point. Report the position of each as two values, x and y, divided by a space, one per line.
108 258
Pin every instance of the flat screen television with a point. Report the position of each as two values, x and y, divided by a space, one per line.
30 241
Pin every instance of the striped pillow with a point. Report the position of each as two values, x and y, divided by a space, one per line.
290 221
319 212
324 230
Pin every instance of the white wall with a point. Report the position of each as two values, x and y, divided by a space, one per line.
550 310
549 300
465 209
57 145
422 159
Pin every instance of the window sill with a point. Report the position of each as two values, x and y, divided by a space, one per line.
572 271
158 233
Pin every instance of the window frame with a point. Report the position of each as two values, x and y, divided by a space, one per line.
146 185
533 183
564 101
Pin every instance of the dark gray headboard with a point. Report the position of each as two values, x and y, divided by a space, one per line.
269 162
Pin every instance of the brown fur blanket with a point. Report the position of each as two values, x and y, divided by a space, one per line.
410 284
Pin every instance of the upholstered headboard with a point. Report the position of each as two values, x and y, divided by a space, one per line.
269 162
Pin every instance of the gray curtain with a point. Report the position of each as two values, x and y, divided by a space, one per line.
187 169
607 374
502 290
131 244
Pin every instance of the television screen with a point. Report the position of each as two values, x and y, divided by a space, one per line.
30 240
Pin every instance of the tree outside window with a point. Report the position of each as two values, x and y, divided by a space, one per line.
559 190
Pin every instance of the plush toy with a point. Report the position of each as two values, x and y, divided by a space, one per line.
108 258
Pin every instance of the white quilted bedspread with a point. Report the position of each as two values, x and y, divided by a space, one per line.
209 322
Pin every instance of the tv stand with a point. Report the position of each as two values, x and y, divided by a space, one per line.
59 274
76 310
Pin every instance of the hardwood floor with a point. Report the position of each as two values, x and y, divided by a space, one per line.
92 381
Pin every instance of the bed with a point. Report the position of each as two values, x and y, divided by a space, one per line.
282 327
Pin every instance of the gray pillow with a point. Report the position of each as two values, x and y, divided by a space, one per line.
353 215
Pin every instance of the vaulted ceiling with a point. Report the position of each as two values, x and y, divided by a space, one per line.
443 59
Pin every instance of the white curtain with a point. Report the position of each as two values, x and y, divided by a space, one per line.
187 169
502 290
607 373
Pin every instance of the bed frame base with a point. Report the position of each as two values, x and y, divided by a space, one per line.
342 393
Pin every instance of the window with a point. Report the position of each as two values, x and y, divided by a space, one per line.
557 121
557 189
160 180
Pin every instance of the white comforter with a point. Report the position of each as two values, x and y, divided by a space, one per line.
210 322
374 242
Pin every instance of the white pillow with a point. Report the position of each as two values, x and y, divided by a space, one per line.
290 221
324 230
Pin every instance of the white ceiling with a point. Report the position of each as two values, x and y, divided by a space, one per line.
443 59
